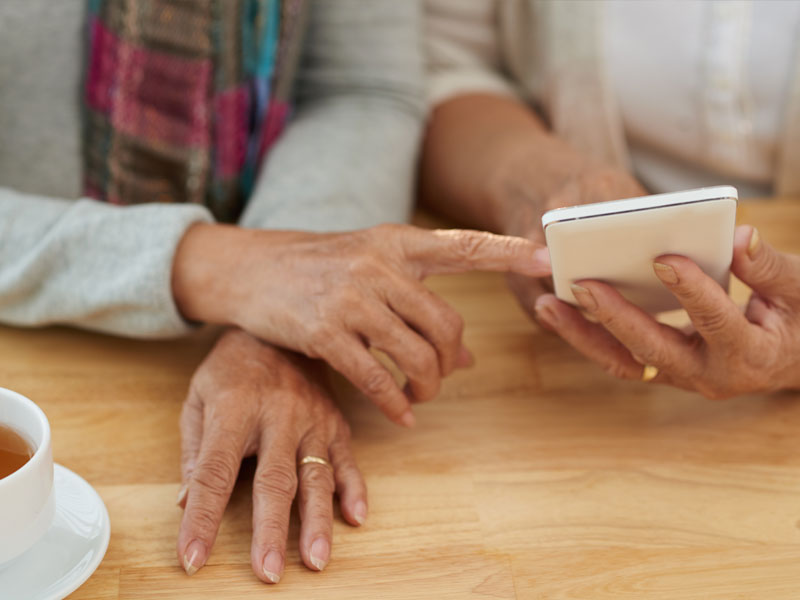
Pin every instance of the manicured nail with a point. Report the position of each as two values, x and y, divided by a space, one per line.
273 566
665 273
360 512
182 494
754 240
408 419
584 297
320 553
546 315
194 557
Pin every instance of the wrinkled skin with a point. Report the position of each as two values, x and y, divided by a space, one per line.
249 398
335 296
728 352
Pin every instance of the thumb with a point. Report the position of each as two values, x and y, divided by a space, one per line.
458 250
770 273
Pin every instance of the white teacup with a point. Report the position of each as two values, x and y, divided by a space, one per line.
27 498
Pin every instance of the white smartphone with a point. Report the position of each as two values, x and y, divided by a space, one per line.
617 242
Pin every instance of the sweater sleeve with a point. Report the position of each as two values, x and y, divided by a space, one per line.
462 49
90 264
347 158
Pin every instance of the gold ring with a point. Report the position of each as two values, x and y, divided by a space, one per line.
649 373
307 460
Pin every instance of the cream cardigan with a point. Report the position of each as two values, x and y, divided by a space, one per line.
552 52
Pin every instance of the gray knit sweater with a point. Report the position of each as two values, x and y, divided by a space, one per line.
346 161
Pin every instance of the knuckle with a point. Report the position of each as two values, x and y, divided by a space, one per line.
363 265
688 292
705 312
693 293
317 477
377 382
204 521
607 319
276 481
657 356
347 297
423 361
468 245
712 320
772 265
217 472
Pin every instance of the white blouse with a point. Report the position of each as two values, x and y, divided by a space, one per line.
701 85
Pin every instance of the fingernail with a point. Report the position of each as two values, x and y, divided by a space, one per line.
182 494
360 512
754 240
320 552
273 566
584 297
665 273
465 358
408 419
546 314
194 557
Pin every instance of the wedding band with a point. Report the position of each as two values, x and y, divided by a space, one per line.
649 373
307 460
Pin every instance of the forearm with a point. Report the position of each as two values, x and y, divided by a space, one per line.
90 264
343 164
487 157
347 158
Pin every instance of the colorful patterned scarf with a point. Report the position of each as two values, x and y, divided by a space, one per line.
185 97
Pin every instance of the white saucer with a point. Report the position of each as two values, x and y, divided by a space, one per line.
71 549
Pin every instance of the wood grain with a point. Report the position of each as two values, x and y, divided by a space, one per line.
533 475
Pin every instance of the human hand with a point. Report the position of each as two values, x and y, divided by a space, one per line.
334 296
729 353
250 398
585 184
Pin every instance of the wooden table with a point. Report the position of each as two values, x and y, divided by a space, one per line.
533 475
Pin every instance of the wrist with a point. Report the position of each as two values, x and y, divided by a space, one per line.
203 271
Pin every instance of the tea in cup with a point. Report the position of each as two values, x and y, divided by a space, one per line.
27 496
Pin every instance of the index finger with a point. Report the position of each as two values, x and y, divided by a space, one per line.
458 250
210 488
191 427
649 341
